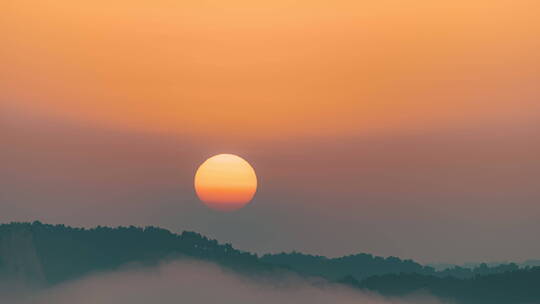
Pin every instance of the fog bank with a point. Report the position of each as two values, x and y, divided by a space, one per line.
198 283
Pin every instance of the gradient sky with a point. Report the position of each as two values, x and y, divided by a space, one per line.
374 126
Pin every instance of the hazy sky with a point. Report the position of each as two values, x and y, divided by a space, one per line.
374 126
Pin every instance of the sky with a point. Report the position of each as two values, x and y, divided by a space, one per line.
373 126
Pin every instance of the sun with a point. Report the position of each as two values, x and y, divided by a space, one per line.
225 182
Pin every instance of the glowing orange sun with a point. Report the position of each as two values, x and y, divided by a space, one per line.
225 182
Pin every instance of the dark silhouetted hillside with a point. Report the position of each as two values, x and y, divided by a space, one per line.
52 254
482 269
44 254
512 287
359 266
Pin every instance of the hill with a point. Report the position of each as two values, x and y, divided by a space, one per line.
511 287
46 255
359 266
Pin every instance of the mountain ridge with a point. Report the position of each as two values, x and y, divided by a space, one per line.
46 255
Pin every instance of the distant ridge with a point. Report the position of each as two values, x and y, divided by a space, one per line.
359 266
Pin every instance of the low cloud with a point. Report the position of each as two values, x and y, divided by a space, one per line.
196 282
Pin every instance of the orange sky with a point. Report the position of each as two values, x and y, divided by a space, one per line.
271 68
404 127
